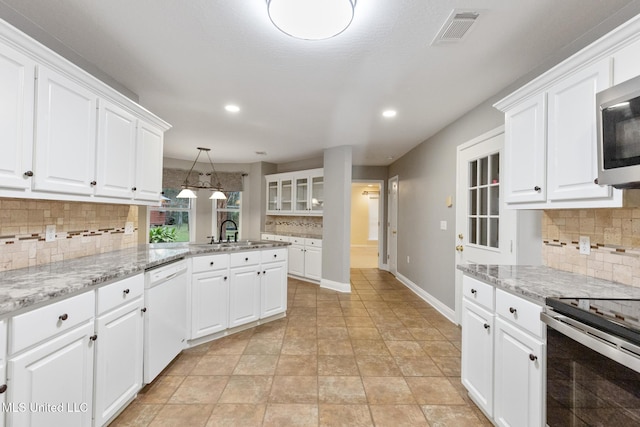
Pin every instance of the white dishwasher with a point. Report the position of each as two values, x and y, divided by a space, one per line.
165 320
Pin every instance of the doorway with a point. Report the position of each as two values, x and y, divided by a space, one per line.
367 202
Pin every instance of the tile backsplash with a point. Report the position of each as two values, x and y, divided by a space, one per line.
81 229
615 242
302 225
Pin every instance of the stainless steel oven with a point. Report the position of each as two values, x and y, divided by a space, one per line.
593 362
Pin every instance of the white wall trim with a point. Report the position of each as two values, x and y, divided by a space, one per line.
427 297
335 286
384 267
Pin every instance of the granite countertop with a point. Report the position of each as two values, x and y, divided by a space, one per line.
540 282
24 287
301 235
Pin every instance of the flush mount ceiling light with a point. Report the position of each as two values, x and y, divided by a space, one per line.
232 108
188 186
389 113
311 19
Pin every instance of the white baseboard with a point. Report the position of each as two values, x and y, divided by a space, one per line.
384 267
427 297
335 286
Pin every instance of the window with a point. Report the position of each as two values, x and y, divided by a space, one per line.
228 209
484 203
170 222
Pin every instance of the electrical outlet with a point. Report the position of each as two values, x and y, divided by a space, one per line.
585 245
408 259
128 227
50 233
443 225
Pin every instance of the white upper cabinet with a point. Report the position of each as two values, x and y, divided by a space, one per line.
65 135
525 151
572 137
626 63
295 193
148 185
279 194
17 74
116 151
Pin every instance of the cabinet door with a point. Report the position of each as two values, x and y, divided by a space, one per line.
118 359
317 194
65 148
115 162
519 368
626 63
296 260
477 354
301 195
148 185
525 152
17 82
244 295
313 263
3 367
209 303
273 195
273 289
286 195
572 140
57 372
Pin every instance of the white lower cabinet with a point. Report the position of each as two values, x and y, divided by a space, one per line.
273 283
313 262
305 258
52 383
3 367
518 378
119 351
209 295
296 259
244 295
503 355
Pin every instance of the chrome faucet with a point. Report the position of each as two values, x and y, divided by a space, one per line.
235 237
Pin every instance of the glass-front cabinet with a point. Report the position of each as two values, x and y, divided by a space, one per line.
295 193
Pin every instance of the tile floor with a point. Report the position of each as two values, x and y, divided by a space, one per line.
378 356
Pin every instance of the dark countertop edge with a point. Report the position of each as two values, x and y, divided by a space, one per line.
181 251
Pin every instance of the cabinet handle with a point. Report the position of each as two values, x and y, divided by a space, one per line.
536 189
93 183
473 291
225 277
533 357
28 173
246 259
3 388
126 291
211 263
258 273
134 188
264 272
275 255
143 309
63 317
512 310
595 181
486 326
93 337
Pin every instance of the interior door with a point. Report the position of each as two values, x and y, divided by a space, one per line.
392 227
485 229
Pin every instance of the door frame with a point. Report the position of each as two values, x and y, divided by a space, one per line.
381 220
393 271
460 215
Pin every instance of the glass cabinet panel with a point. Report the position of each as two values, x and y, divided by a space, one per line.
272 195
317 193
302 194
286 198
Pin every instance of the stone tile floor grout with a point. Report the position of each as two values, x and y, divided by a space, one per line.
377 356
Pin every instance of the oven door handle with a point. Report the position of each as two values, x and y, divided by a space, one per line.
606 344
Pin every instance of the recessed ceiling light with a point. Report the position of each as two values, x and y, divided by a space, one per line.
389 113
261 153
232 108
390 158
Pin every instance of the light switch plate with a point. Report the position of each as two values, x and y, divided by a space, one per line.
128 227
585 245
443 225
50 233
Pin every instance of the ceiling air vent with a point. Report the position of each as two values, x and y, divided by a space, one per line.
455 27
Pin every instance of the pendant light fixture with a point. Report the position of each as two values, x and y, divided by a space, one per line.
188 187
311 19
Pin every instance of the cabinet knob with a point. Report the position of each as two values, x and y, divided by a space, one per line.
225 277
211 263
246 259
143 309
473 291
134 188
126 291
536 189
258 273
486 326
264 272
93 183
28 173
63 317
595 181
93 337
533 357
3 388
275 255
512 310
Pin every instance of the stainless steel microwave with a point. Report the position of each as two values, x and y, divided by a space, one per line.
619 135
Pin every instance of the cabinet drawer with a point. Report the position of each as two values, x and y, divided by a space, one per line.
210 262
478 292
274 255
520 312
313 242
120 292
296 240
241 259
30 328
282 238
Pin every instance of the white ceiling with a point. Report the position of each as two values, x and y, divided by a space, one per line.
187 59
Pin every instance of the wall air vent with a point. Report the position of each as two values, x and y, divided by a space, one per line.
456 27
